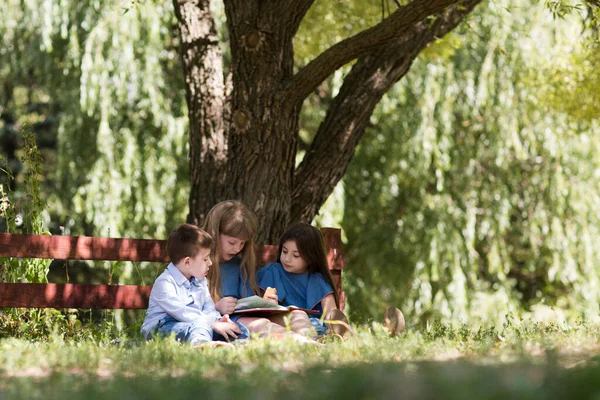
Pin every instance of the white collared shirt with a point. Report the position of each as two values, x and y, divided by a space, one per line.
185 300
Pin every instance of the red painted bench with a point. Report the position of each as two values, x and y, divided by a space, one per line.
52 295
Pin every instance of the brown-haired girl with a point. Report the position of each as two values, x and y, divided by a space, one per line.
302 278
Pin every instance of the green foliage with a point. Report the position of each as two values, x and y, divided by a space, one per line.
24 214
112 88
327 22
561 8
573 84
124 143
467 200
73 325
33 205
122 149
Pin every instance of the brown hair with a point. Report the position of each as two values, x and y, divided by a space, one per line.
309 242
186 240
232 218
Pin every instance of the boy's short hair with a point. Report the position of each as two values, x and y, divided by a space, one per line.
186 240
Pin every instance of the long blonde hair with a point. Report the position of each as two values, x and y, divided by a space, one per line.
232 218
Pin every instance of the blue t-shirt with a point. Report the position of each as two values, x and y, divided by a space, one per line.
300 290
232 284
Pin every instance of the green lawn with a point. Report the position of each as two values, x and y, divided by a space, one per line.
534 361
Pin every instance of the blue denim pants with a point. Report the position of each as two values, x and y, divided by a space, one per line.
192 332
319 326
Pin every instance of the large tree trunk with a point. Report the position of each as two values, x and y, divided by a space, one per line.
264 126
203 69
262 129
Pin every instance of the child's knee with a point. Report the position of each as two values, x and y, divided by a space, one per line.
298 315
200 329
262 323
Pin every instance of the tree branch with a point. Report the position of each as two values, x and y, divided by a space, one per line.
347 117
403 19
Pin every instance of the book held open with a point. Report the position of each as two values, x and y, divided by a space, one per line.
258 305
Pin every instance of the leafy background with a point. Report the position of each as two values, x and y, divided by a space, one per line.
473 196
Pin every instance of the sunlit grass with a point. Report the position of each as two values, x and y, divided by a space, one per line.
443 360
367 344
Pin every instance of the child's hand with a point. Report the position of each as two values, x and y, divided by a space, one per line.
226 327
226 305
272 298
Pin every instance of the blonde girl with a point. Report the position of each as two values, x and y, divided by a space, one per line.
233 226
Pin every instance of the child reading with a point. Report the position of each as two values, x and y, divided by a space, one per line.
302 278
233 226
180 303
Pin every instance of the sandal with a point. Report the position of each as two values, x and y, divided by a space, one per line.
393 321
338 323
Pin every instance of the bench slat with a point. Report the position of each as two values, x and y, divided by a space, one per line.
52 295
111 249
81 248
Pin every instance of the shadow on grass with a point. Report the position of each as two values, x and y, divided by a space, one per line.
423 380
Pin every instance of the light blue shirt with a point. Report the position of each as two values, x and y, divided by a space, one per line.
185 300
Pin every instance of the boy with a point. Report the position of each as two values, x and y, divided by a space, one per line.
180 302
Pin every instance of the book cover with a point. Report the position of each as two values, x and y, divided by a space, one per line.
258 305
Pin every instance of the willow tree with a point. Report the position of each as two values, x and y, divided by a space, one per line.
244 122
475 190
110 82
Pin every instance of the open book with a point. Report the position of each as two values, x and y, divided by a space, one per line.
258 305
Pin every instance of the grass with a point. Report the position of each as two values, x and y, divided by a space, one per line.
524 361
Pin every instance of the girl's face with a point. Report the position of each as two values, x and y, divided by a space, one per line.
291 259
229 247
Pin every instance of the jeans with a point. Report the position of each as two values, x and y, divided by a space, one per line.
319 326
192 332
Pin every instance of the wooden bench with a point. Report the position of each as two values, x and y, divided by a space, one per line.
99 296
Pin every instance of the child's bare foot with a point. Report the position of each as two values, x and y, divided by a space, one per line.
214 344
338 323
393 321
304 340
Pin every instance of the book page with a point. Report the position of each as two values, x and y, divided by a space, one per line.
257 305
254 302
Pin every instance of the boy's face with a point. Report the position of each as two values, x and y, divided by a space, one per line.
196 266
229 247
291 259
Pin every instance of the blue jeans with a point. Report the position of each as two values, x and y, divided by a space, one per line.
192 332
319 326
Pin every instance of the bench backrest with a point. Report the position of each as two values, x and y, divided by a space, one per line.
52 295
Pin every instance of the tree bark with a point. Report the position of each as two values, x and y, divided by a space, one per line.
347 117
264 126
205 91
